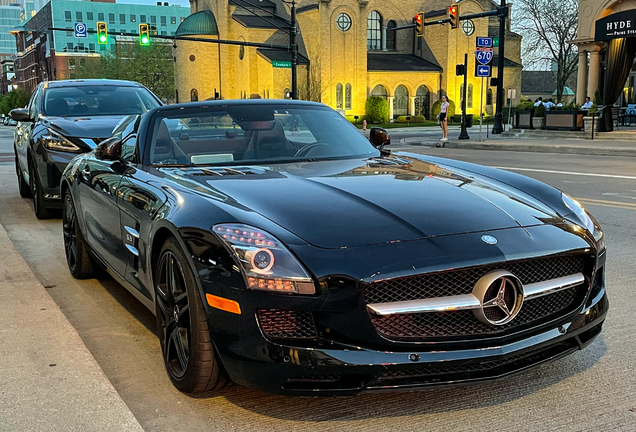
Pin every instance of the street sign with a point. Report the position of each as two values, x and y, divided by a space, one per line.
80 30
281 64
483 71
484 42
495 42
484 55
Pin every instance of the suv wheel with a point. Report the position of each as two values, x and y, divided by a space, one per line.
23 187
39 205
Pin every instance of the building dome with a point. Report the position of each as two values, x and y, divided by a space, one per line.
199 23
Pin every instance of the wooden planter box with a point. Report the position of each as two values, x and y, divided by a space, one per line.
564 120
523 119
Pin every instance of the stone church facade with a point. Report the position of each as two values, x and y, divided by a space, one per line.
347 53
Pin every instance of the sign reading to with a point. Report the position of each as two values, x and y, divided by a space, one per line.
80 30
618 25
281 64
484 42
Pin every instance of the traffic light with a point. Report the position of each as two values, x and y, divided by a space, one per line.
453 14
144 34
102 33
419 24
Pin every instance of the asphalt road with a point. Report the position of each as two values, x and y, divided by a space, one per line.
592 390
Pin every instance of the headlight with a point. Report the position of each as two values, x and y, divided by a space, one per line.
587 220
266 263
54 141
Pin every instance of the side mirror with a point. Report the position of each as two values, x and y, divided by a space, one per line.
109 149
379 137
21 115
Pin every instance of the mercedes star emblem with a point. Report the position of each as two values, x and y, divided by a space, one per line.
501 296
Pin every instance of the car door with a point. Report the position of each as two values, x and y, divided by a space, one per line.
139 200
23 133
98 189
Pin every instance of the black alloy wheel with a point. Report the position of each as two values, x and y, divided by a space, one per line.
77 253
23 187
188 352
39 205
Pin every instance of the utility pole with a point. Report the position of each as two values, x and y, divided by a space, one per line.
294 51
502 13
464 133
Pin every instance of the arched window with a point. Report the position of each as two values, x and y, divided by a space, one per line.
374 31
489 97
469 96
461 93
422 101
348 96
379 90
194 95
390 36
339 96
401 101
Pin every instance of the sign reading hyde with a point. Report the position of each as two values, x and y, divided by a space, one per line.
618 25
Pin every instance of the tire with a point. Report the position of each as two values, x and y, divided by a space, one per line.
23 186
39 204
186 343
77 251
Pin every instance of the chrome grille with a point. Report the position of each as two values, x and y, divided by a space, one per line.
463 323
462 281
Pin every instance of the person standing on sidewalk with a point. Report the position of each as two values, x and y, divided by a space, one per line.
443 118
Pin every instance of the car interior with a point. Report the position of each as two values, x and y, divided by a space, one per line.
211 146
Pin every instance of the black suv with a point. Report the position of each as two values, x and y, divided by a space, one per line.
63 119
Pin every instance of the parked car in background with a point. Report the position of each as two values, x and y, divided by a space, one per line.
281 250
8 121
65 118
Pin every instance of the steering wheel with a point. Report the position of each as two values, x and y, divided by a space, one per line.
304 151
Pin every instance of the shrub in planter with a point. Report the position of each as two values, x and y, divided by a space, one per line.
361 118
539 111
414 119
525 106
376 109
437 107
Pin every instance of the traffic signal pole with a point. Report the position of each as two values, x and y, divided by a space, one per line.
502 12
464 133
294 51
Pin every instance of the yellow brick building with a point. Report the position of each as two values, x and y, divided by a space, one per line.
347 53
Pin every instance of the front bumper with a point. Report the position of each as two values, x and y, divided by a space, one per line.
348 370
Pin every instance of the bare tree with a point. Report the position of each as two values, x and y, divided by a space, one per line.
547 26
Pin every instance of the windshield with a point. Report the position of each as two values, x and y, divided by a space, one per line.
97 100
242 134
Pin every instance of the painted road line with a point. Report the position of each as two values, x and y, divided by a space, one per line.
569 173
614 204
607 202
588 204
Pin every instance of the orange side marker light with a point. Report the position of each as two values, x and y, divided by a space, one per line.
223 304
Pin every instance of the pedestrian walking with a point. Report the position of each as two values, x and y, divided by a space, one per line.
443 118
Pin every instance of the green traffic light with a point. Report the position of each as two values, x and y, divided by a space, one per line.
145 40
102 38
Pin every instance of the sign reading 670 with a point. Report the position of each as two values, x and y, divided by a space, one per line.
484 55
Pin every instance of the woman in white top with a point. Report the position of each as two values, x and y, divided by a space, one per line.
443 118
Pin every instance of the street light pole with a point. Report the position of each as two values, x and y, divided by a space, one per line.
294 51
503 15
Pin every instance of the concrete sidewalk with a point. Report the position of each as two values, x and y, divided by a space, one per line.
583 147
49 381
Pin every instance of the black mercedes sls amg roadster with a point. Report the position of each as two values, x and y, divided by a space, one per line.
282 250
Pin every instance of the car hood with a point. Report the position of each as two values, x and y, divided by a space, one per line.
348 203
85 127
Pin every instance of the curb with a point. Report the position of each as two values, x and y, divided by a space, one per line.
581 150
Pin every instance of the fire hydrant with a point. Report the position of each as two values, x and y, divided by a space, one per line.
364 125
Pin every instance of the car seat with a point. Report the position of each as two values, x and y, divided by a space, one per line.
269 144
57 107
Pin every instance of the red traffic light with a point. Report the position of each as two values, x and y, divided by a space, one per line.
419 24
453 14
